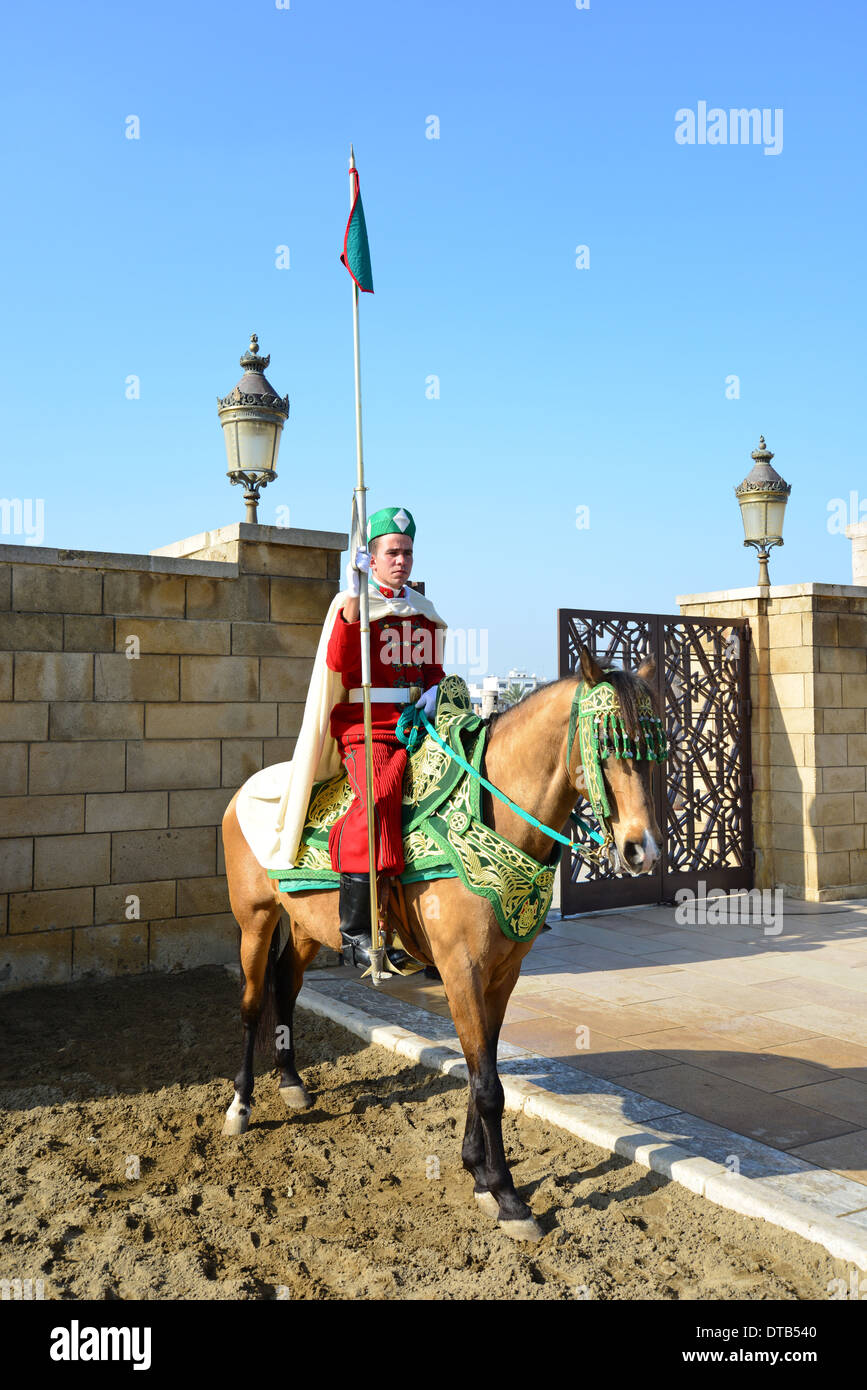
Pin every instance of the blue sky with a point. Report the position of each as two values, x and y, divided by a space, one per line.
602 387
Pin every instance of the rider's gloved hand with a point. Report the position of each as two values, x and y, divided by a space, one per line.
360 563
428 702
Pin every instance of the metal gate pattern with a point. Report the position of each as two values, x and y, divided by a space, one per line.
702 793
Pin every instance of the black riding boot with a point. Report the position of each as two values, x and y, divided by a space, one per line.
355 923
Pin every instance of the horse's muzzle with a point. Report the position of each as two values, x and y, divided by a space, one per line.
640 857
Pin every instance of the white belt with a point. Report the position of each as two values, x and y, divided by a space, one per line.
380 695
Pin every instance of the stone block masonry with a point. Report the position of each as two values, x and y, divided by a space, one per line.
808 675
137 693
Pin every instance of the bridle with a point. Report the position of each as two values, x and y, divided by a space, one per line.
596 715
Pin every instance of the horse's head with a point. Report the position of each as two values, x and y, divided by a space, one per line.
620 736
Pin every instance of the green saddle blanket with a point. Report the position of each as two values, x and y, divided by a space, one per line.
444 835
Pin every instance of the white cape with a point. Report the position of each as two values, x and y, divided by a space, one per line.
272 804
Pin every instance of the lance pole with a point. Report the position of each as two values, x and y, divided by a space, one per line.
377 973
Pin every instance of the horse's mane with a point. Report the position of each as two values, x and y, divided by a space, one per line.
627 685
496 719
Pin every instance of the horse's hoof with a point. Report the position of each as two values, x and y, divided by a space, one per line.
237 1118
529 1229
488 1203
296 1098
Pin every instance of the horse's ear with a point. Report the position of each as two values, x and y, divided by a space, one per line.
590 668
647 669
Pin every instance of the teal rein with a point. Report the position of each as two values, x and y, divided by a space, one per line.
408 734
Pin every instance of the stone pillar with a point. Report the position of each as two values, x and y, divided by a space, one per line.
808 679
858 536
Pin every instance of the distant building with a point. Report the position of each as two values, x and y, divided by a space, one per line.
496 692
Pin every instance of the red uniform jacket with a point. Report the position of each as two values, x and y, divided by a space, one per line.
403 652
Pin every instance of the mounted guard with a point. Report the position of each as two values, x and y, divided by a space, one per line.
483 804
406 640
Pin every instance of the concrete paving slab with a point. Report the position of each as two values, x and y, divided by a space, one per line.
840 1095
822 1019
594 1051
783 1124
755 999
833 1053
835 996
845 1153
690 1046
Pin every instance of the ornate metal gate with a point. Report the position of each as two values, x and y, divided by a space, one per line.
702 793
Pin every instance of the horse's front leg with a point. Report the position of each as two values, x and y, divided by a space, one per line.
513 1216
478 1017
473 1157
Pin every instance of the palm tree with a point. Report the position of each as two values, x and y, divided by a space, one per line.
512 694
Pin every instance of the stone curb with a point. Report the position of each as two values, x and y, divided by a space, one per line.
639 1143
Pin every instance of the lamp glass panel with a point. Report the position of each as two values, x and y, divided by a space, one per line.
256 440
230 434
776 511
753 514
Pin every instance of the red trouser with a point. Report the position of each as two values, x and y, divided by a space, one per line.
347 839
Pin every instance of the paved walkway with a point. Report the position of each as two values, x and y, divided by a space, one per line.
738 1045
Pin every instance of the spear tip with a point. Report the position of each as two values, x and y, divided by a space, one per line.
351 157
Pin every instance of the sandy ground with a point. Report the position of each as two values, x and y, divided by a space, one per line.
362 1197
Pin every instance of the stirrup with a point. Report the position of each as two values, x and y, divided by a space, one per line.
355 932
359 948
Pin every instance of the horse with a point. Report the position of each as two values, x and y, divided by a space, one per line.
526 757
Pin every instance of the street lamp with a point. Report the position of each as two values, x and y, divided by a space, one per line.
762 497
252 417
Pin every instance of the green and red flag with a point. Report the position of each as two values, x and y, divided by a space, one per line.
356 252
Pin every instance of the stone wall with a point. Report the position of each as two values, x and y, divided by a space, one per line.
137 693
809 732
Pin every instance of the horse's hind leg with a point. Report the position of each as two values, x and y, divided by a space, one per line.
294 960
257 929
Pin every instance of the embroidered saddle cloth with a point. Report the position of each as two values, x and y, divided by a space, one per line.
444 835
